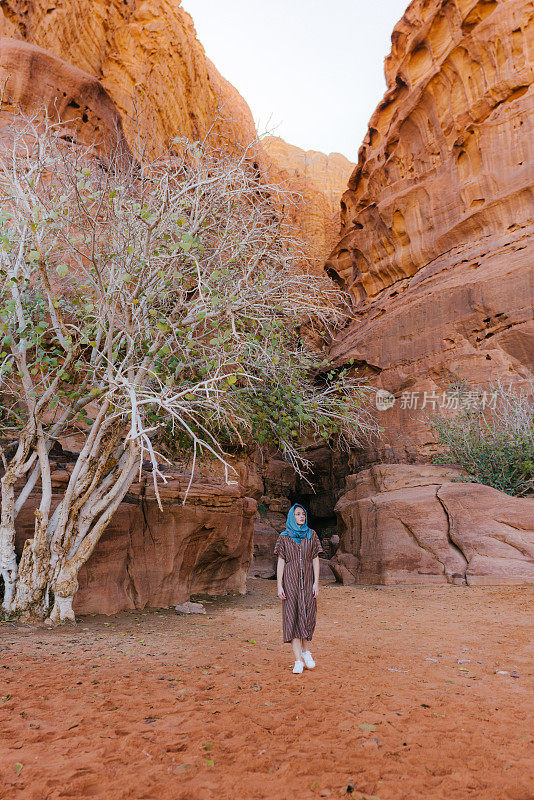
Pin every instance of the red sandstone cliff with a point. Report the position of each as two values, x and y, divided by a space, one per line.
438 218
437 226
147 58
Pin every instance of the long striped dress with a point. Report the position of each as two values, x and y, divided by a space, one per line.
299 609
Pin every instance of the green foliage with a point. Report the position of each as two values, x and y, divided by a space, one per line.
493 442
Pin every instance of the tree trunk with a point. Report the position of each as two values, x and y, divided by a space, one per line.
8 558
51 561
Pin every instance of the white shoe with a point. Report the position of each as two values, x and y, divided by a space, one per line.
299 666
308 660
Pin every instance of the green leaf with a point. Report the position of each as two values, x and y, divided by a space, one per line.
17 766
62 270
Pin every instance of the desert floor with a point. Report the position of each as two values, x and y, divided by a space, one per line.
406 700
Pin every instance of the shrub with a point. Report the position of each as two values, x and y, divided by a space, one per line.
493 441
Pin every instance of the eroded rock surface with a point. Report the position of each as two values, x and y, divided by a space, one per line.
146 56
36 82
437 222
152 558
404 524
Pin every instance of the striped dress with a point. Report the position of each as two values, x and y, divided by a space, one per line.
299 609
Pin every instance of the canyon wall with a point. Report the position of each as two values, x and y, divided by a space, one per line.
436 251
147 58
437 221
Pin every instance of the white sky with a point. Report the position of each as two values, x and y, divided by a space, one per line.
312 70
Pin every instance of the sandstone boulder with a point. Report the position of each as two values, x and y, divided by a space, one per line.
190 608
406 524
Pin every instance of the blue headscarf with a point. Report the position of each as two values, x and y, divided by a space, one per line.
297 532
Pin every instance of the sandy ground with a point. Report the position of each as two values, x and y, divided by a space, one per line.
405 700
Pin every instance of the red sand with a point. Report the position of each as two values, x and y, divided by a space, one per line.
159 706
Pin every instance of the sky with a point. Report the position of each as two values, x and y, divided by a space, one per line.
312 71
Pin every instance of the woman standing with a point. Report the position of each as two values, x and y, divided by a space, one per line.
298 549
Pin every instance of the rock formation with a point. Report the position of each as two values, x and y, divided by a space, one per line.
434 249
318 181
34 81
148 59
405 524
152 558
438 217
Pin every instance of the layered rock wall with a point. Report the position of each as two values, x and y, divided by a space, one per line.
437 222
152 558
145 55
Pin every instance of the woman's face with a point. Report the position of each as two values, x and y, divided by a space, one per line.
300 516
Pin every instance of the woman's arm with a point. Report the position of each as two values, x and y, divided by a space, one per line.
279 573
315 576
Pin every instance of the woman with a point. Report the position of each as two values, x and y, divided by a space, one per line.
298 549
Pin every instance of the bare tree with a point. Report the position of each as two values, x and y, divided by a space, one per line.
147 306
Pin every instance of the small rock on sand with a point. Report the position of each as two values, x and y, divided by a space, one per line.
190 608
